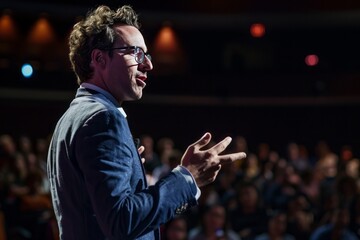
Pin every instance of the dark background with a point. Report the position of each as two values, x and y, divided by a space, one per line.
227 82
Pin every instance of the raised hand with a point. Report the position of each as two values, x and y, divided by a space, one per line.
204 165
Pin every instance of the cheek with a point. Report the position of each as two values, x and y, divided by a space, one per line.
120 75
132 71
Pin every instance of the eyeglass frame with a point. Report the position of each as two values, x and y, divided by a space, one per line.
135 48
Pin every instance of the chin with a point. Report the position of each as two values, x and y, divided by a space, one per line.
134 97
139 95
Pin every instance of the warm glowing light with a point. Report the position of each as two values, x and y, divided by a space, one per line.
311 60
7 28
166 40
42 32
257 30
168 56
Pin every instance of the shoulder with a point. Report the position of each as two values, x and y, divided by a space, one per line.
93 103
320 231
263 236
89 113
91 108
349 235
195 233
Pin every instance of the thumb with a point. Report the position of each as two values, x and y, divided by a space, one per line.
141 149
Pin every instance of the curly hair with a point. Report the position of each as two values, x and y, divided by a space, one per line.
96 32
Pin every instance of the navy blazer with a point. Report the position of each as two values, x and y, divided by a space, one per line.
98 184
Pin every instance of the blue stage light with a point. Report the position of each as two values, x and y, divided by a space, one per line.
27 70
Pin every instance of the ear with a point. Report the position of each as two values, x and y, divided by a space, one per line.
98 58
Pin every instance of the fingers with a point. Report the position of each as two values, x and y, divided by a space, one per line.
203 141
231 157
141 149
221 146
222 159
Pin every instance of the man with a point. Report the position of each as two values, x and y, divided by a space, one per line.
98 183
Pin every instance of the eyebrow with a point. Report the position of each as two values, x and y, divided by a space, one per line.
129 47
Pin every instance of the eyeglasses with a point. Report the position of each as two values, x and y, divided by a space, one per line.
138 52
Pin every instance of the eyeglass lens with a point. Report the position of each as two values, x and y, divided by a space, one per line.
140 55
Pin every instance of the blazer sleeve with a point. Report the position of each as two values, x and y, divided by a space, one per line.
106 160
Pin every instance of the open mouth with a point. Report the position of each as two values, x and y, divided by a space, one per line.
140 82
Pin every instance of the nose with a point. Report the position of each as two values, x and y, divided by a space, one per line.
146 65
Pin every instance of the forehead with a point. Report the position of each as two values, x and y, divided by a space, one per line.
129 35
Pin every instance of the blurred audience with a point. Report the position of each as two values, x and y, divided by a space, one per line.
165 168
299 162
26 208
249 218
300 217
276 229
176 229
152 159
213 226
336 229
297 195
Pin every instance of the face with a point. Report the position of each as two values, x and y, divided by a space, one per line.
277 225
215 218
248 197
120 74
177 230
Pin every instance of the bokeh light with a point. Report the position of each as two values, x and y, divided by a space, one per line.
7 28
27 70
166 40
311 60
42 32
257 30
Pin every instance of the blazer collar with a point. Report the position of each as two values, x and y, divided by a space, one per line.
87 89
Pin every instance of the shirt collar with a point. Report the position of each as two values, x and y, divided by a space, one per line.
106 94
